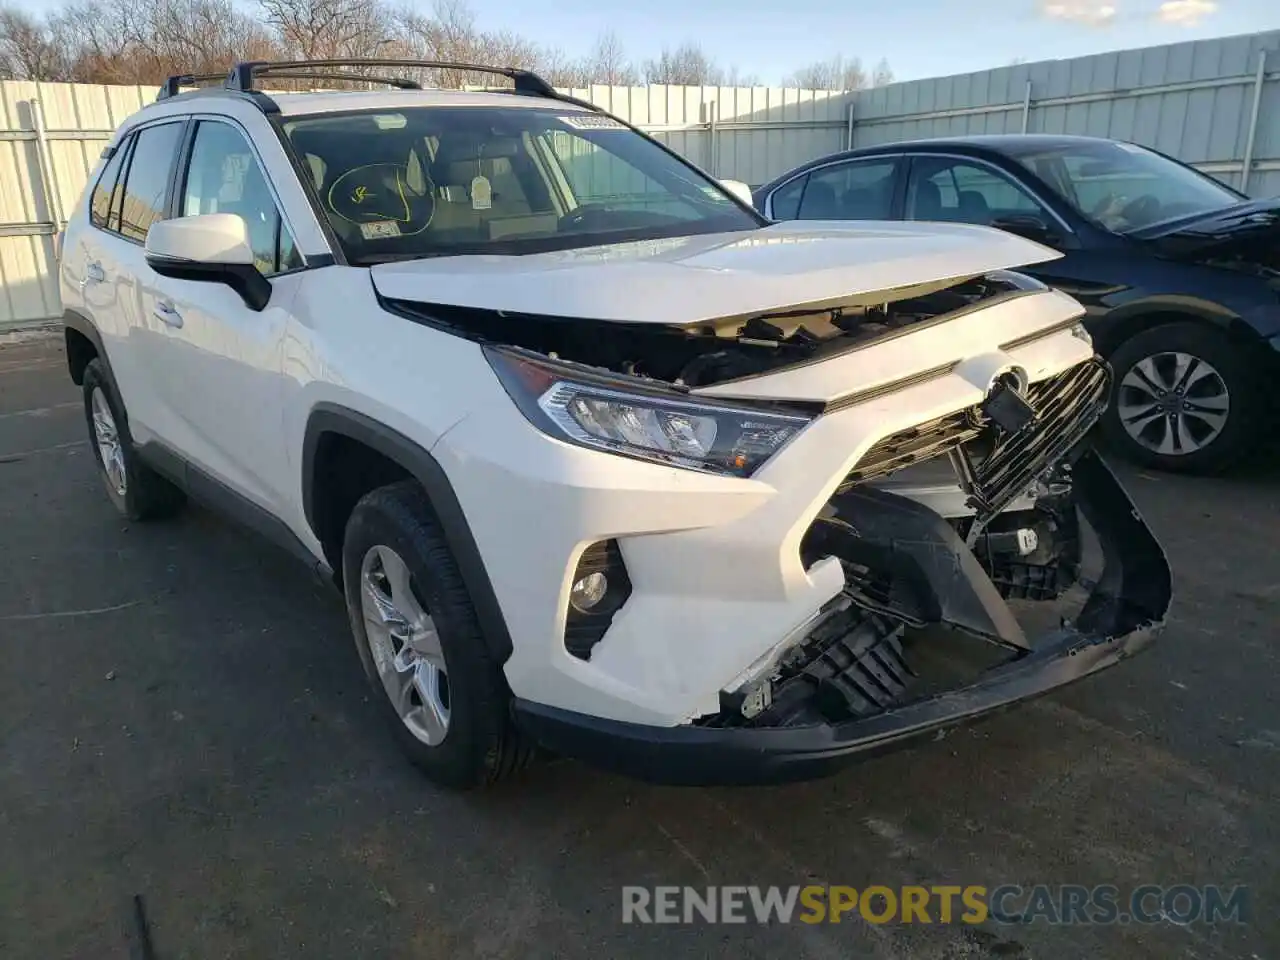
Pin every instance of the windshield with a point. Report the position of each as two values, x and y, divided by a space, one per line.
444 181
1125 187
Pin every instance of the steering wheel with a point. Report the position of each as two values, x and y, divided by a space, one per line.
380 193
585 216
1145 209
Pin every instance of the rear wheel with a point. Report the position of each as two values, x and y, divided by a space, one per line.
423 651
1185 400
137 491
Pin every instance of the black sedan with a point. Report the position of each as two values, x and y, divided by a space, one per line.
1180 274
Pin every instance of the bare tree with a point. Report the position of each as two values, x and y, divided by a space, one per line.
883 74
608 63
325 29
451 35
836 73
687 64
28 48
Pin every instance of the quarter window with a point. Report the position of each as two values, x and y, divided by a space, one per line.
224 177
103 203
786 199
146 185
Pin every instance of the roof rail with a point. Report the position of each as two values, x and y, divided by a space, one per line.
173 85
242 78
244 74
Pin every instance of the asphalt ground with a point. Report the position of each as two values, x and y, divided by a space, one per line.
183 720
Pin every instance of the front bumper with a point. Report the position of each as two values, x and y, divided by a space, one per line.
1123 615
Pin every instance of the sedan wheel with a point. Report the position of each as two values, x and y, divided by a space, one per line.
1173 404
405 645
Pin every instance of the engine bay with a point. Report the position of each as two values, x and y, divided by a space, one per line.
725 349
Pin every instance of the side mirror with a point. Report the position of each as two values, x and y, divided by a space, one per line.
1029 226
212 248
739 190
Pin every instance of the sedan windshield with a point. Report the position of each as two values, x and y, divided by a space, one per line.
444 181
1125 187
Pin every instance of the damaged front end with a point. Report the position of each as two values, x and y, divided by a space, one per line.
924 636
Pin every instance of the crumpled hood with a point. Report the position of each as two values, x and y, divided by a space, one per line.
689 280
1248 230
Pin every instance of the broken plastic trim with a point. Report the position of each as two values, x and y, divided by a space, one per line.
1123 615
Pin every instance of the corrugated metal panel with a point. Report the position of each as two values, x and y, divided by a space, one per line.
37 192
1191 100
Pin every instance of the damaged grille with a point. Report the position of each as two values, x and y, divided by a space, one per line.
1065 406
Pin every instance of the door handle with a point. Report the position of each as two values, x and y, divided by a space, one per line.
167 313
93 272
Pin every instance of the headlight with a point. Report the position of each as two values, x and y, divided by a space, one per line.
714 437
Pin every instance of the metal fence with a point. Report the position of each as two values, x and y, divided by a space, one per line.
1213 103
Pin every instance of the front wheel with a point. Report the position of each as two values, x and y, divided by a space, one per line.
1185 400
439 690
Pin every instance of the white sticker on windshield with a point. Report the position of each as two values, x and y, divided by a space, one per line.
380 230
481 193
591 121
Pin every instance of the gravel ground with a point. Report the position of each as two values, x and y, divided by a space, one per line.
183 718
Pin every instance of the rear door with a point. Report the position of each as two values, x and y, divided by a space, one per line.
144 189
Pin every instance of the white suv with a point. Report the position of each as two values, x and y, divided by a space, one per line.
602 460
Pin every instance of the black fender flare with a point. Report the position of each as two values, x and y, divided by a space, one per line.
77 321
333 418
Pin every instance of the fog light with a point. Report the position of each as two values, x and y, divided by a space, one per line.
586 593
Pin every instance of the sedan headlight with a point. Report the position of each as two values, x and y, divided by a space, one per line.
697 435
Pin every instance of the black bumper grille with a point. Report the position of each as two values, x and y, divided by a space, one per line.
1066 406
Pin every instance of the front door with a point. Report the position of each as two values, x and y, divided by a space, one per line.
222 363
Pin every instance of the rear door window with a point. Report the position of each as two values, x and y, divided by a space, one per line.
146 185
857 190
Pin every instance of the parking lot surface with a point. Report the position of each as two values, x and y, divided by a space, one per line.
183 718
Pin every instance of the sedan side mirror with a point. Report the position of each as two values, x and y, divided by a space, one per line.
1028 225
212 248
739 190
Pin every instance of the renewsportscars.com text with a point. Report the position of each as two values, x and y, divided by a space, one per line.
1065 904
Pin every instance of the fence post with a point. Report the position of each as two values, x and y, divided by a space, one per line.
848 135
1026 108
44 166
1258 81
713 144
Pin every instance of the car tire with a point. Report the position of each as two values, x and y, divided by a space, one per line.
137 491
414 623
1222 401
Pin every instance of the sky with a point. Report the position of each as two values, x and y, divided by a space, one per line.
920 38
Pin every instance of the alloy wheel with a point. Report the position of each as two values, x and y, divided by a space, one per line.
405 645
1173 403
110 449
